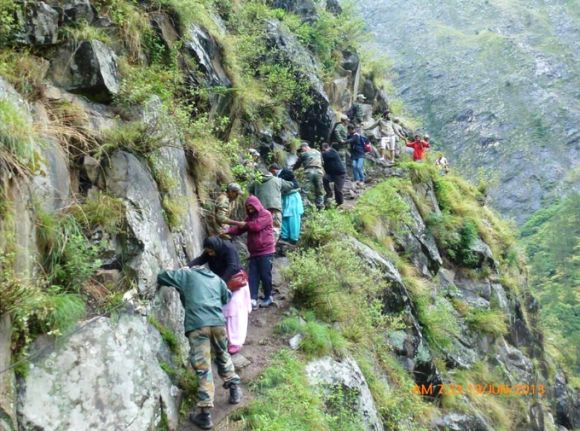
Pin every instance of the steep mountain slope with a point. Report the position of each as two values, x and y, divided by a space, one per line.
496 83
120 121
552 240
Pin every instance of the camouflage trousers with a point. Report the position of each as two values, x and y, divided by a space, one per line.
201 342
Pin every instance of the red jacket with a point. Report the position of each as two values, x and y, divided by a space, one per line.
260 228
419 147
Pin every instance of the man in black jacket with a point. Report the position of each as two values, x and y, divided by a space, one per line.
335 172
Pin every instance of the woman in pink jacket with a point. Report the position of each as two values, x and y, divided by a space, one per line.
261 245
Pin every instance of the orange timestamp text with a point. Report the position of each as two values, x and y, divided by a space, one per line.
452 389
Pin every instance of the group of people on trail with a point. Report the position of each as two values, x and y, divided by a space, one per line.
218 299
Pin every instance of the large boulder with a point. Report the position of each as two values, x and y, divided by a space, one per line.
208 71
345 374
89 68
567 403
7 380
76 11
40 25
105 376
418 242
317 120
149 246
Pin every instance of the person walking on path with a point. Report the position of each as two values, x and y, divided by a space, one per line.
442 164
388 136
311 160
335 172
225 206
419 146
340 136
269 190
203 295
292 207
261 245
223 259
357 154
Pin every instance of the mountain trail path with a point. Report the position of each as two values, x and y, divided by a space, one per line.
262 343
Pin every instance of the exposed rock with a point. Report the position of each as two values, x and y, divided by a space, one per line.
89 69
419 243
427 194
317 122
295 341
75 11
304 8
330 373
53 187
150 245
7 380
516 363
240 362
339 94
41 25
333 6
483 253
209 71
567 403
165 29
105 376
388 268
462 422
471 287
168 310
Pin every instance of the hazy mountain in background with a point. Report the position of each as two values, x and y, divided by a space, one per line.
496 84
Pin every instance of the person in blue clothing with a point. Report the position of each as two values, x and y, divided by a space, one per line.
357 154
292 206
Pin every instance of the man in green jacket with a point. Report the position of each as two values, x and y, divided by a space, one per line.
269 189
203 295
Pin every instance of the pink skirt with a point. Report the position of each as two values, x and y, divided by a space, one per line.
236 313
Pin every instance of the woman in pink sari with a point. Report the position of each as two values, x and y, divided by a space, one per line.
223 259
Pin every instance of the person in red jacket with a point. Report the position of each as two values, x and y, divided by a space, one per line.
419 146
261 244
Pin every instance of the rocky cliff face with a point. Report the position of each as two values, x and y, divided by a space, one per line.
496 84
103 184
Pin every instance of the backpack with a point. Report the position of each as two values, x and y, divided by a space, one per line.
366 144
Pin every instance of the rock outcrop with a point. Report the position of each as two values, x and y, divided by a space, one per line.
107 376
329 373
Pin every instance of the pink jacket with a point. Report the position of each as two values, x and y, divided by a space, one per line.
260 228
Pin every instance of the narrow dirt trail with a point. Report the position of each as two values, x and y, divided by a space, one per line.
261 345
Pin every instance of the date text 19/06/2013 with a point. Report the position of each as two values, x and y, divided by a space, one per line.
452 389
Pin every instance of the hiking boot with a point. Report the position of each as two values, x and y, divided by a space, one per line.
266 302
254 304
235 394
202 420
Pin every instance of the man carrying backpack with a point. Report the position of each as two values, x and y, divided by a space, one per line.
356 144
203 294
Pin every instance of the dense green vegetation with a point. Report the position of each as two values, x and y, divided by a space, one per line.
552 239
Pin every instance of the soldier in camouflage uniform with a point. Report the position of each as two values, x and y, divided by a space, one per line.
224 207
340 137
203 295
311 160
